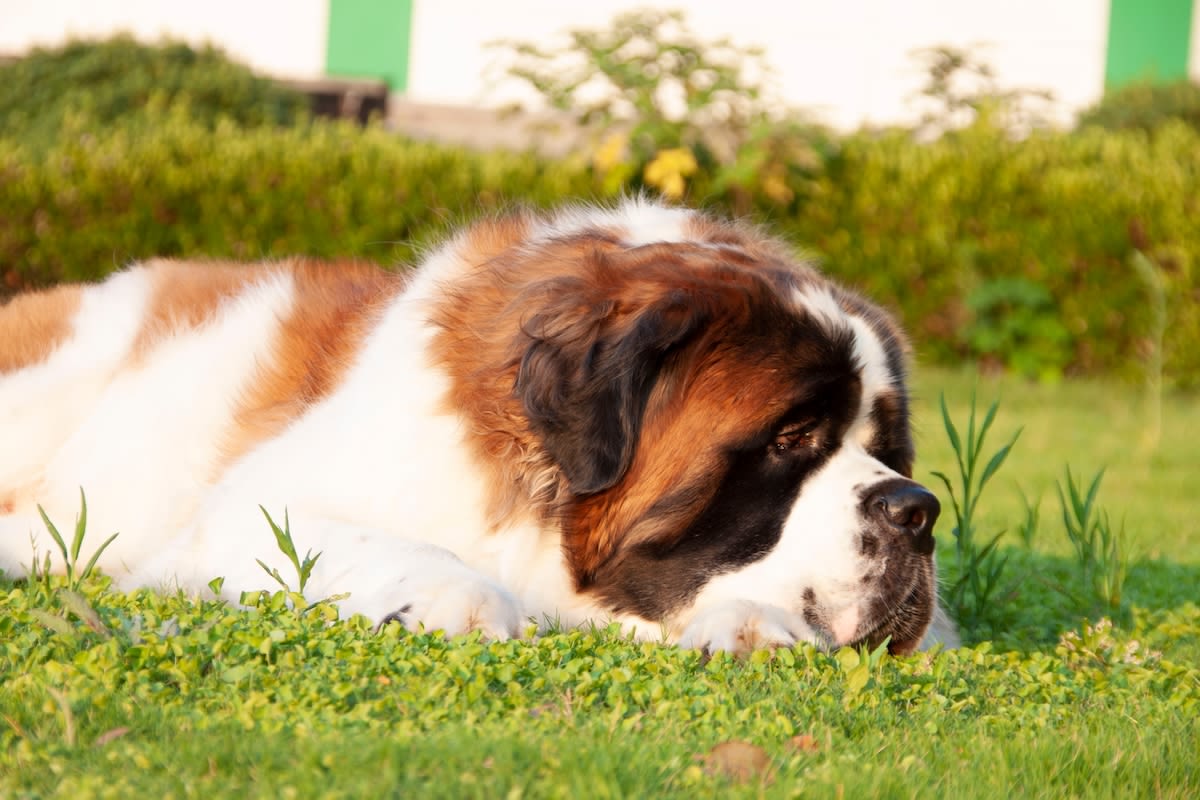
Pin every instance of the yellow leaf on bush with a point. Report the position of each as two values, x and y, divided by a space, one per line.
667 170
775 187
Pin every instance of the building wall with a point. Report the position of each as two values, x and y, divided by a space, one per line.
850 62
1149 39
278 37
1194 52
370 38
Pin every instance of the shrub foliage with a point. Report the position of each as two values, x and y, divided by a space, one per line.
170 187
107 82
1018 252
662 107
944 231
1147 106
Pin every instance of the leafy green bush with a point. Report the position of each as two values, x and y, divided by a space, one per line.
94 202
108 81
1024 253
1016 321
1146 106
926 227
931 230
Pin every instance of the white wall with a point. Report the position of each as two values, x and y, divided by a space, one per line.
278 37
848 60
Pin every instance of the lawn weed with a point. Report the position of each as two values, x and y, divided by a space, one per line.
40 572
979 563
1101 550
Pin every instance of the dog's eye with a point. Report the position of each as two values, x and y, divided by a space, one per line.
795 436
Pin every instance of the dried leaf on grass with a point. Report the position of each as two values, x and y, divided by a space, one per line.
110 736
804 743
77 605
738 761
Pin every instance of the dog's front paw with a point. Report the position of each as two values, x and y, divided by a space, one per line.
740 626
457 602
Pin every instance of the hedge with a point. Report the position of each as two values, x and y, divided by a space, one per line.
1146 105
97 201
1018 253
108 80
1047 229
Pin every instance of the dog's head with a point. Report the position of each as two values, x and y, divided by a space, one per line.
727 424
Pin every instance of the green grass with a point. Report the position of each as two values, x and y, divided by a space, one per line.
162 696
1153 481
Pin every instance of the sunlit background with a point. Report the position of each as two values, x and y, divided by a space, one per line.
1018 181
850 63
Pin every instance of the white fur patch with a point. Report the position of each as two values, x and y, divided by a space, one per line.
822 305
869 353
146 436
41 405
635 220
876 376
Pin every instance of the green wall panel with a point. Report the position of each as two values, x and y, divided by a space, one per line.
370 39
1148 39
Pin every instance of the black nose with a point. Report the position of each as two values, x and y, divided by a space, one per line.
907 509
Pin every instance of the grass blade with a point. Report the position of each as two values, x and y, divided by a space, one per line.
1094 488
64 705
951 431
54 534
997 460
77 605
283 537
274 573
988 419
91 564
80 527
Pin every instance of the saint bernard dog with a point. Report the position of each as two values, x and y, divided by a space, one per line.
637 414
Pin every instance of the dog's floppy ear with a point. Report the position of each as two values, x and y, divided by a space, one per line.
589 364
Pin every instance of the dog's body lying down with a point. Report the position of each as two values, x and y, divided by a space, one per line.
637 414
